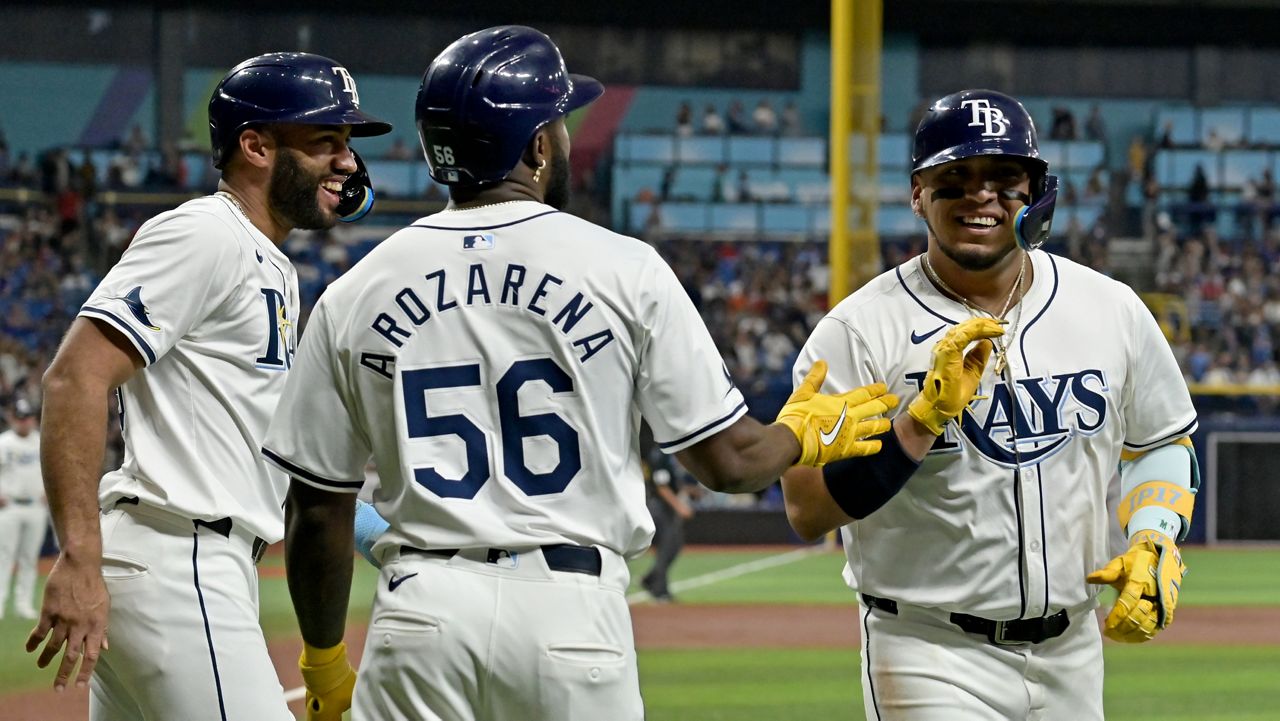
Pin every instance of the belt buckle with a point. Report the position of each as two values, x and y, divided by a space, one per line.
998 635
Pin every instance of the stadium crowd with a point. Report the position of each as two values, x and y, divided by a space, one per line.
760 298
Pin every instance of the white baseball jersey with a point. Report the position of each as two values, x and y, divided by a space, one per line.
20 466
1091 373
209 303
496 362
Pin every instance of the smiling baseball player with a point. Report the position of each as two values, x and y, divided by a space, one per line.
194 331
496 360
1033 380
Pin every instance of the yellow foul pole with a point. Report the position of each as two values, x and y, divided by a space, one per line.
856 42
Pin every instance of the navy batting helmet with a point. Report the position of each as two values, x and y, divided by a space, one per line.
483 99
285 88
984 122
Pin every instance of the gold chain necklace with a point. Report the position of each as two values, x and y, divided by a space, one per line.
235 202
1002 348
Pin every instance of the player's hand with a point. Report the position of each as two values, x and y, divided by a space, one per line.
955 375
74 613
1148 577
330 681
832 427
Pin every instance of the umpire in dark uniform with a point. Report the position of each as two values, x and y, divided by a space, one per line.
669 505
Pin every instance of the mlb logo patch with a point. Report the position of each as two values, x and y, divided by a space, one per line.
477 242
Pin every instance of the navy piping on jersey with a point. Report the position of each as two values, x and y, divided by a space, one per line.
1044 546
300 472
119 323
705 428
204 614
866 634
1022 541
1022 342
485 227
916 298
1183 431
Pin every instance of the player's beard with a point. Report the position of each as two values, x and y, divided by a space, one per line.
972 259
293 193
558 190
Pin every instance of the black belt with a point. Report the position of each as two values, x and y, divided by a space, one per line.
222 527
1000 633
23 501
559 556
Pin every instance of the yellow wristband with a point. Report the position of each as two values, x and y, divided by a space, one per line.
1176 498
312 656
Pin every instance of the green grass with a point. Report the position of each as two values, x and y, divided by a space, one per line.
1144 683
811 580
1217 577
1155 681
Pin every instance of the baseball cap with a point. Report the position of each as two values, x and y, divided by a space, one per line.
22 408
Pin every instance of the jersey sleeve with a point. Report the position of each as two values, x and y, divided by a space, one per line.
849 362
178 268
313 435
1158 406
683 387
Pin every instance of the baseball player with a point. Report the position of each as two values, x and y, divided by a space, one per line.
1032 380
24 517
496 359
194 330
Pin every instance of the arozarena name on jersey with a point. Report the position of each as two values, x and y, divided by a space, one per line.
544 298
1048 412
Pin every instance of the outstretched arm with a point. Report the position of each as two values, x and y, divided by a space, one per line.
812 429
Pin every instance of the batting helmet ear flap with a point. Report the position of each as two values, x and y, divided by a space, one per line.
356 198
1033 223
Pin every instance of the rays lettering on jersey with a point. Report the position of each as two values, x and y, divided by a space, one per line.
279 353
1046 413
485 288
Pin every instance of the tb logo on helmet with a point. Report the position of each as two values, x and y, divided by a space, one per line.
990 119
349 84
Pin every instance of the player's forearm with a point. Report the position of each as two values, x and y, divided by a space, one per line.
811 510
745 457
319 551
915 438
71 452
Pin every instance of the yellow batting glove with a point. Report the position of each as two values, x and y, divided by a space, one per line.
833 427
330 681
1148 577
954 378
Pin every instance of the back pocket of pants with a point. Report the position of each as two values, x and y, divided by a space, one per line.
587 682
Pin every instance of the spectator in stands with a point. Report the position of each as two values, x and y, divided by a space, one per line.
668 180
744 187
1198 192
1214 142
136 142
718 183
56 172
1063 126
398 151
684 120
1095 128
765 118
712 123
1166 135
737 121
791 120
1095 188
23 173
1265 192
1138 160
